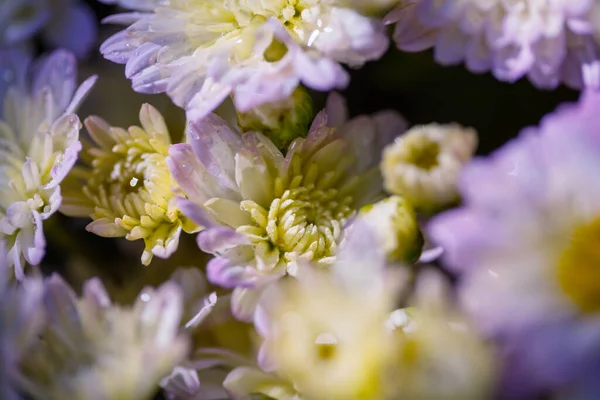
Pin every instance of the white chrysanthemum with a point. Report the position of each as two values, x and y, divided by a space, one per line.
549 41
200 52
263 211
436 343
92 349
325 333
38 146
127 187
333 335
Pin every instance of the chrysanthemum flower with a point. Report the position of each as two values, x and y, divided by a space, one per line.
423 164
526 244
68 24
335 335
325 332
127 187
90 348
200 52
436 343
38 146
550 42
265 211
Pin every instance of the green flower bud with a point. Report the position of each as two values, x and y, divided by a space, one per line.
282 121
396 222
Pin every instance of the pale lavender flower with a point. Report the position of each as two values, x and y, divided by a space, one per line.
263 211
549 41
38 146
68 24
199 53
526 246
93 349
21 318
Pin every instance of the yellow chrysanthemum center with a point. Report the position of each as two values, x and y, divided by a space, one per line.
579 268
129 184
237 20
305 220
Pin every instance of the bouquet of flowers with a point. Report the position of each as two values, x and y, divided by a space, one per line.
285 199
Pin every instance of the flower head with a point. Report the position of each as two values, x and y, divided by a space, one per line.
335 335
127 186
325 332
90 348
395 222
525 243
435 342
264 211
550 42
423 164
200 52
68 24
38 146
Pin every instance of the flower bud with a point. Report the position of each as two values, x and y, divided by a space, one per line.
282 121
396 222
423 164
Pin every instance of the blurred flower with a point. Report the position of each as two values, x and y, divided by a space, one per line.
38 146
260 51
21 318
435 343
127 187
526 245
68 24
551 42
395 222
424 163
91 349
282 121
325 333
265 212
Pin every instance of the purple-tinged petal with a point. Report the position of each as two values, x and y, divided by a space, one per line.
336 110
244 302
224 272
195 212
60 303
58 71
218 239
59 171
216 145
124 18
80 94
430 255
35 247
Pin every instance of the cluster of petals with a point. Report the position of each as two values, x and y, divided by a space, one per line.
525 243
199 53
39 144
549 41
264 212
